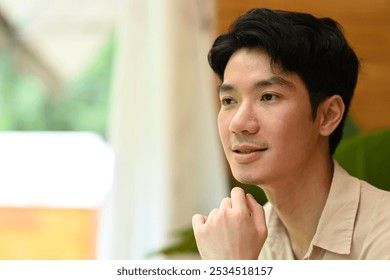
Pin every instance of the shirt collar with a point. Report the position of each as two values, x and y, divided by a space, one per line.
277 236
336 225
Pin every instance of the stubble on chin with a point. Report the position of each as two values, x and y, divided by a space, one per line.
245 179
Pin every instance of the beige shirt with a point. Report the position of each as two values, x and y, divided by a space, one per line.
354 225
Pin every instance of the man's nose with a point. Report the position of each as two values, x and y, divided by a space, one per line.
244 120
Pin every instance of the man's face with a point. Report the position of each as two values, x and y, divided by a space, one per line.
265 121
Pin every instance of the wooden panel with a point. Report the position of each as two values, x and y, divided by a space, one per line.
367 28
43 233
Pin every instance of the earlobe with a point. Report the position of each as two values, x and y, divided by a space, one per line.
332 111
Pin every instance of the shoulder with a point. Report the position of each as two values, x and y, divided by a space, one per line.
374 207
373 219
374 197
368 196
371 224
370 188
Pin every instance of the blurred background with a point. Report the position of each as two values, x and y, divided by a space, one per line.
108 139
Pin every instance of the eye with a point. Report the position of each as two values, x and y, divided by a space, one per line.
268 97
227 101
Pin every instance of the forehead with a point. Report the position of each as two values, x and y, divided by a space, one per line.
253 67
250 60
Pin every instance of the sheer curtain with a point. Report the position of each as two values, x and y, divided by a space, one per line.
168 160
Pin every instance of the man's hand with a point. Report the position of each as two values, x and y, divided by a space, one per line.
234 231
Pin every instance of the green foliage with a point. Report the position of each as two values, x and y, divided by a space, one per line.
187 244
367 156
82 105
350 128
21 97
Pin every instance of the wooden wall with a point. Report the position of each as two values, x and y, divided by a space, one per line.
47 233
367 28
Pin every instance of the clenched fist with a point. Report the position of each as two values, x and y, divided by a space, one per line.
234 231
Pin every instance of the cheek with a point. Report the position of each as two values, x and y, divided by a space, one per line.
223 126
291 128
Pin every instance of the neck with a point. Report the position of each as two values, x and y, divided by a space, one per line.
299 202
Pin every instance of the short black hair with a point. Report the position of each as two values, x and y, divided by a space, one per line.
313 48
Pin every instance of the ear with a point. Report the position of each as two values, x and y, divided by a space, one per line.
331 112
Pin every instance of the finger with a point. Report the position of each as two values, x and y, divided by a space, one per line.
197 221
257 212
212 214
239 201
226 203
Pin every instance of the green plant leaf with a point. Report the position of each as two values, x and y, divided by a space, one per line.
367 156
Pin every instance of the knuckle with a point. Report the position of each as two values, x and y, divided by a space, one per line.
242 216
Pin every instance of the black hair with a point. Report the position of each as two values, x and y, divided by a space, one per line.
313 48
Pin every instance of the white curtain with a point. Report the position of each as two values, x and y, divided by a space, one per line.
168 160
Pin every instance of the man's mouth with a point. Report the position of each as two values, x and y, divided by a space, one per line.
248 151
244 153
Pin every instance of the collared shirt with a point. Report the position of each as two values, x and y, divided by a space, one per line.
354 225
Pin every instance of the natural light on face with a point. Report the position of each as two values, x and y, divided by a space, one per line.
265 122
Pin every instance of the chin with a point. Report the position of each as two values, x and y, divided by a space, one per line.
247 179
251 174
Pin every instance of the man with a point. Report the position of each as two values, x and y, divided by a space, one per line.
287 83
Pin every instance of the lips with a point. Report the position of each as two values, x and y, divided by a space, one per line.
249 148
246 153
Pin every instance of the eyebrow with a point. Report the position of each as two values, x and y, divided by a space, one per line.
274 80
